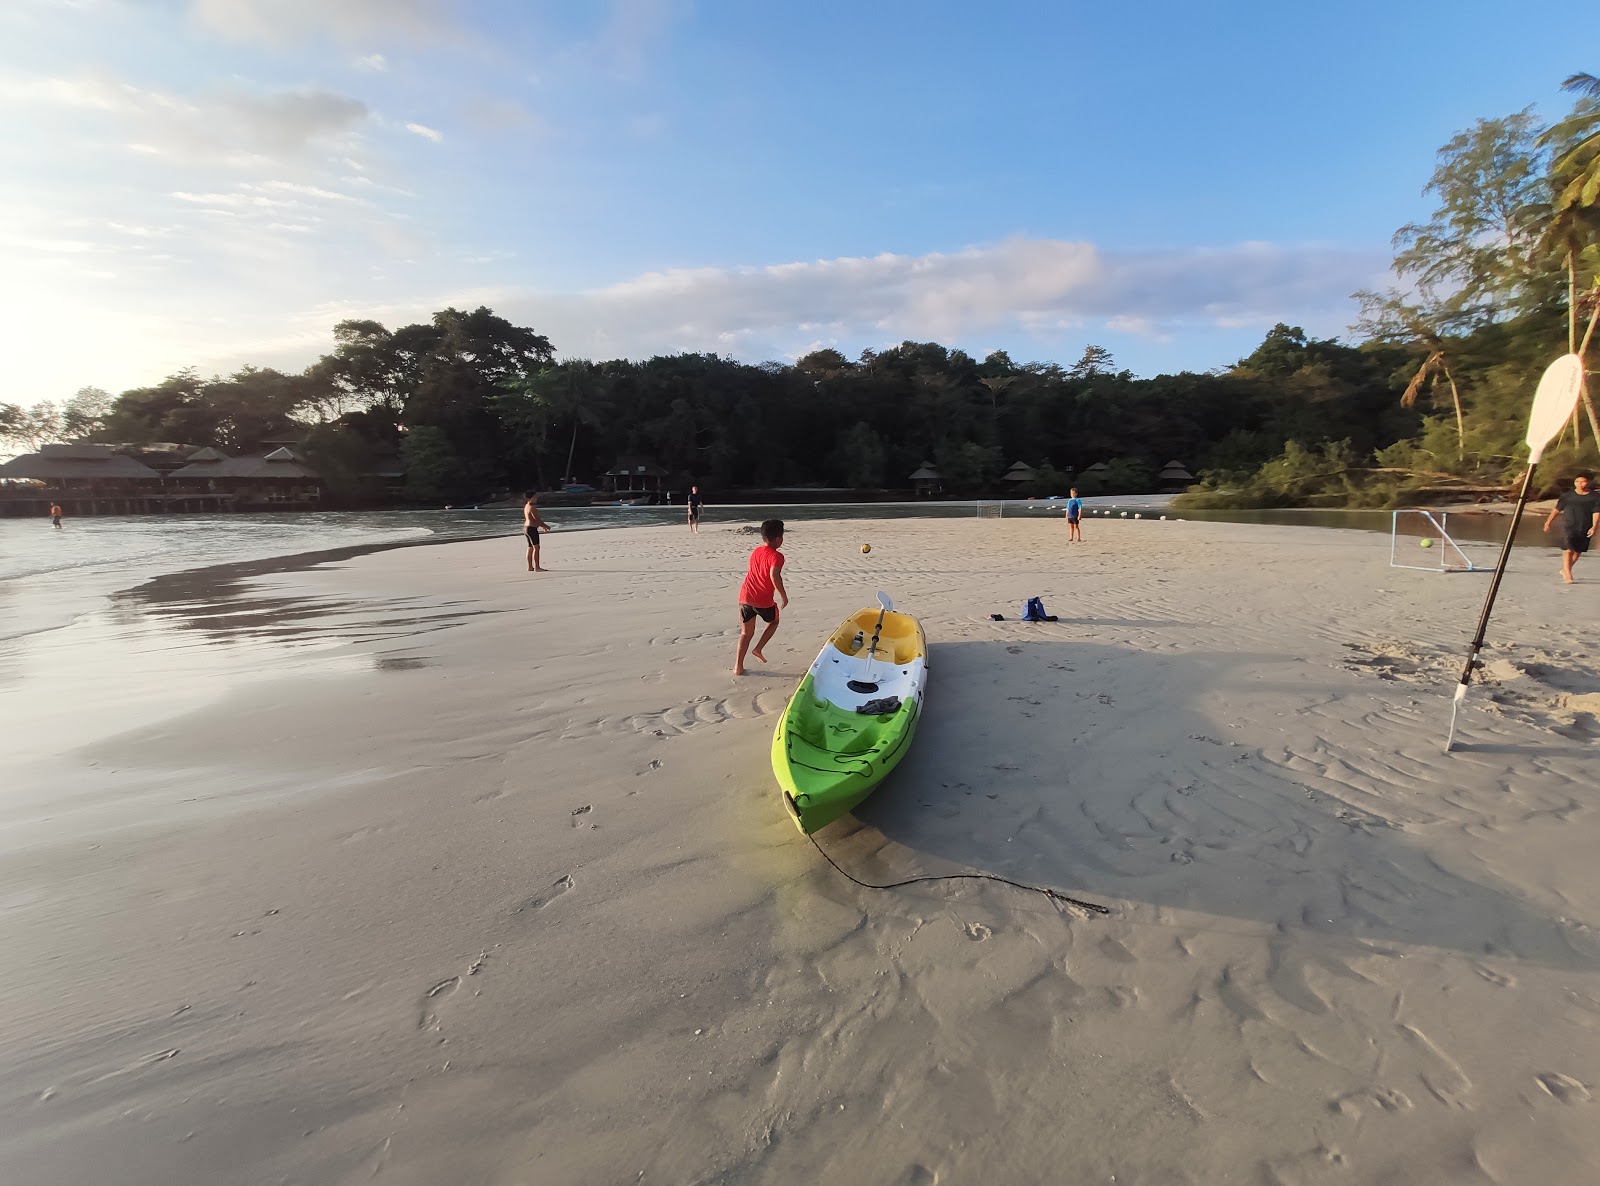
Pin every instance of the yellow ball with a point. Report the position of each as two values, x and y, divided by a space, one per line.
1427 543
865 548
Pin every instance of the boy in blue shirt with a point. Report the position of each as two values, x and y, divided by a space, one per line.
1074 514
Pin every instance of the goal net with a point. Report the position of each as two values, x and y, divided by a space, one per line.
1421 540
991 510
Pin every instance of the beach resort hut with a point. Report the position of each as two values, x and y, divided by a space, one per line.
926 480
1175 478
635 475
84 479
1019 473
280 479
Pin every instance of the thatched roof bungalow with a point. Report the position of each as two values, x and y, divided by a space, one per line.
278 477
92 468
926 479
1175 477
636 473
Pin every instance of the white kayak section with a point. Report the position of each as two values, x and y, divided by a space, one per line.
846 676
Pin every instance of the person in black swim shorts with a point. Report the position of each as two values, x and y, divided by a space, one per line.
1579 512
531 526
761 594
695 502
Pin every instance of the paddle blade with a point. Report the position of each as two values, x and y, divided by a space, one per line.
883 598
1553 403
1455 708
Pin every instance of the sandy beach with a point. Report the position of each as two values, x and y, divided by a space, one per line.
417 868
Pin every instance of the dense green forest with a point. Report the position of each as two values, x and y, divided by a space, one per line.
1504 276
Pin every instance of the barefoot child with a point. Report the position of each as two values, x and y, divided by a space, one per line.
762 582
531 526
1074 517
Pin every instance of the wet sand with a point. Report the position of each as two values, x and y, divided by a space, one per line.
438 871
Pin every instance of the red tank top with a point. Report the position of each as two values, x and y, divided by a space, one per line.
758 588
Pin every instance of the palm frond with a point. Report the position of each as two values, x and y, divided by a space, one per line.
1421 379
1582 84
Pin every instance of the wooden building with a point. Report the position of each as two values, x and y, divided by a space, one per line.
636 475
280 480
82 479
927 481
1175 478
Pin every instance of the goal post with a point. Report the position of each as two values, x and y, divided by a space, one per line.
991 510
1421 540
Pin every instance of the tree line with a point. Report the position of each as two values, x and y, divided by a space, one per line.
1504 275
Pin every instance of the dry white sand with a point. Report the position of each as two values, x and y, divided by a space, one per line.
491 884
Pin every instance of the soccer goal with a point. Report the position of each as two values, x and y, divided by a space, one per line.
1421 540
991 510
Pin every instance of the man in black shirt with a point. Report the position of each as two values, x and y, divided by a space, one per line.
1580 518
695 502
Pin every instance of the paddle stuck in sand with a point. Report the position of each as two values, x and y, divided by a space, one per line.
1553 403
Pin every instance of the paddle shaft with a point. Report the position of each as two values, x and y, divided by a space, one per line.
1499 572
873 649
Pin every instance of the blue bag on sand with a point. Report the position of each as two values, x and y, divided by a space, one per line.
1033 611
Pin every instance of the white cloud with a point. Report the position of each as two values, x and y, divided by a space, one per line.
372 63
352 21
1042 288
1048 291
426 132
235 126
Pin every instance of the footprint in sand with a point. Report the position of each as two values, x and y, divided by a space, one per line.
976 931
1440 1074
431 1000
1563 1087
539 903
1113 950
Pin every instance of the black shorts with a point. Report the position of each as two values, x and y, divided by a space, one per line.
533 536
767 613
1073 519
694 514
1576 541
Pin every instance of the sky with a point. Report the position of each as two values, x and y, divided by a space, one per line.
214 183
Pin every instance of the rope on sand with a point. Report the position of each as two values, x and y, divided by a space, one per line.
1056 895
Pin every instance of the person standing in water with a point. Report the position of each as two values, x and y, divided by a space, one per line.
531 526
1580 519
695 502
55 515
1074 516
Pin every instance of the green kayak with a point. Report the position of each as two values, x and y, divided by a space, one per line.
853 716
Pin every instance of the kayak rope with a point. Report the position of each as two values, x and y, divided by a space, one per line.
1057 895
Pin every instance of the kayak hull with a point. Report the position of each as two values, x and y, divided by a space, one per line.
827 756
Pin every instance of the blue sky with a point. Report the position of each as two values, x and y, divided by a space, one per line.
216 182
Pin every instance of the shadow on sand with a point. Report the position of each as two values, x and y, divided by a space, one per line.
1077 766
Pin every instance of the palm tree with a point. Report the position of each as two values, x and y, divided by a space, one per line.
1574 229
1577 138
1389 317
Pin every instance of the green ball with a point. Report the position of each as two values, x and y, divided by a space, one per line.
1427 543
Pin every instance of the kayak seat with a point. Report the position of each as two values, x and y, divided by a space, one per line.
899 640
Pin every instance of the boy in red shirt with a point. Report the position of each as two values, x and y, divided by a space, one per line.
761 582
